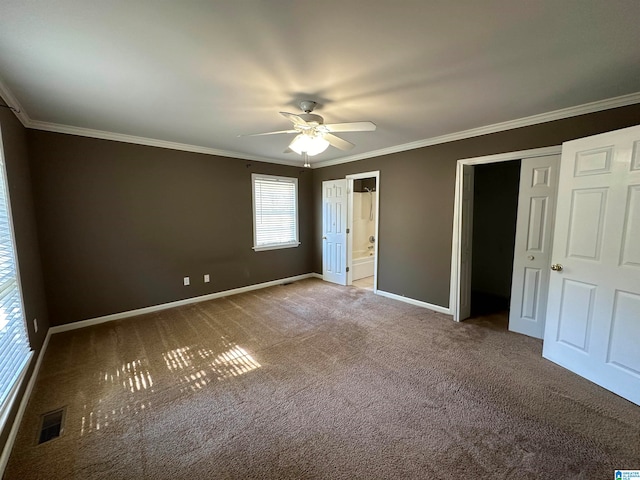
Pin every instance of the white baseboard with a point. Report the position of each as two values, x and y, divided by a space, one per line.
8 446
178 303
430 306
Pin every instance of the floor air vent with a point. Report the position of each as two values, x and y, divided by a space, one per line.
51 425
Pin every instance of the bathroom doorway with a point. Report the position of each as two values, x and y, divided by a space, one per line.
362 243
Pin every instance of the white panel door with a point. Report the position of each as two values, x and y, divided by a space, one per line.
593 314
334 231
532 251
466 242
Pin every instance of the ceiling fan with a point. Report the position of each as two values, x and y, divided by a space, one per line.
315 136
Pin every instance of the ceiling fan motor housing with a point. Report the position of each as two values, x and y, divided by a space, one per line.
312 118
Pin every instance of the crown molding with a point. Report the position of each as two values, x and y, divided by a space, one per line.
592 107
13 102
27 122
152 142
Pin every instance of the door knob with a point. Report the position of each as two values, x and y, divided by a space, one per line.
324 238
556 267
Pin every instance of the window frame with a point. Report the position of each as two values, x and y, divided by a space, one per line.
275 245
19 376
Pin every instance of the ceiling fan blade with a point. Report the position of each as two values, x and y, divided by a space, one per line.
338 142
267 133
296 119
351 127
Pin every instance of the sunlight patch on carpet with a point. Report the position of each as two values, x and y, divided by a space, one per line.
133 376
94 419
206 364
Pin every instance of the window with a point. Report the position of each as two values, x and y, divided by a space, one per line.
275 212
14 345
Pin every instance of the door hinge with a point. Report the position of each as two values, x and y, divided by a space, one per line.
347 269
348 230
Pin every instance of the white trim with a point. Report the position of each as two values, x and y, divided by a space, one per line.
569 112
152 142
12 101
419 303
373 174
349 251
454 289
178 303
508 156
13 433
12 396
275 246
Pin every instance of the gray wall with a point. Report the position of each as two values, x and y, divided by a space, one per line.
14 139
416 193
122 224
495 211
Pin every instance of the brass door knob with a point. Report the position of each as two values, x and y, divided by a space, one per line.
556 267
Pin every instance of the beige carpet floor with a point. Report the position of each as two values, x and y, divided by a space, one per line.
313 380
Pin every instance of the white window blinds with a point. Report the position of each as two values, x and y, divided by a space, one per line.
275 212
14 345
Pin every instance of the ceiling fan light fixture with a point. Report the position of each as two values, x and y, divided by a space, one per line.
309 144
313 135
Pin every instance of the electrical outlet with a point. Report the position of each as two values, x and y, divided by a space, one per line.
186 281
35 325
207 279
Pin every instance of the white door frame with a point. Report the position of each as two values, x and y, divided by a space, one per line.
350 179
454 296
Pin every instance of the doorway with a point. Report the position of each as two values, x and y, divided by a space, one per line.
363 231
532 242
363 220
495 209
350 213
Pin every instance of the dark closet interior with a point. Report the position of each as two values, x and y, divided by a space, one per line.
495 208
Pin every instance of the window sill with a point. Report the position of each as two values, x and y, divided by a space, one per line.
275 247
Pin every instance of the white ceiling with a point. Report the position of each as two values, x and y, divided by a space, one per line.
199 73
